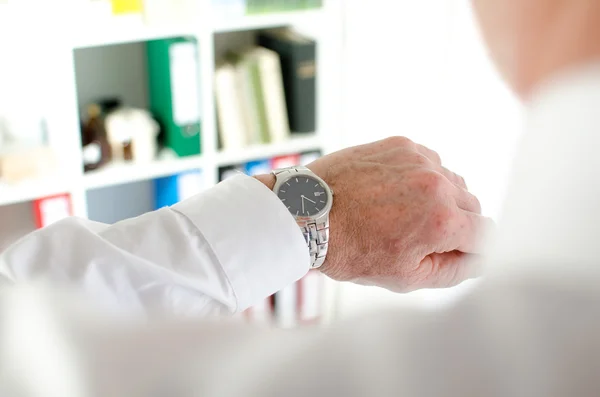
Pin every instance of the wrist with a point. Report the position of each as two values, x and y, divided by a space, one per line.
266 179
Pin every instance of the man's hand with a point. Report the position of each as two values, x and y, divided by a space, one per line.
400 220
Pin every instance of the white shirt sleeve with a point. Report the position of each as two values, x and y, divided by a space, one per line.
201 256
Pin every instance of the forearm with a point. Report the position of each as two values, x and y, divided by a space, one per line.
201 256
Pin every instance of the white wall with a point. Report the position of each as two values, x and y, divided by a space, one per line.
419 69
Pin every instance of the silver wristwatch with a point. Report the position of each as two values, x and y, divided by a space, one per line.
309 200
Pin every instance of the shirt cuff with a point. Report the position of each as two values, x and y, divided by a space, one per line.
254 237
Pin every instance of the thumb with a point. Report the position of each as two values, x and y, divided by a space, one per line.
449 269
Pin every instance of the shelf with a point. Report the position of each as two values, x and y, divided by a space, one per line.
258 152
31 190
122 173
266 21
122 30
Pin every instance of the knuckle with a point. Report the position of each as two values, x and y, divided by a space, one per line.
441 219
421 160
477 204
399 141
435 156
459 179
431 183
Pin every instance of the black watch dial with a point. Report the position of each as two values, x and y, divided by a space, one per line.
303 196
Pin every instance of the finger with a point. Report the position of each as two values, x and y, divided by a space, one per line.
454 178
449 269
430 154
467 201
437 160
467 233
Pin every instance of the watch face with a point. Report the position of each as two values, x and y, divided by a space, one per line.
303 196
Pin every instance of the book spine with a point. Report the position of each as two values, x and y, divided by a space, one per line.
299 70
260 102
231 122
302 72
274 96
49 210
258 167
248 104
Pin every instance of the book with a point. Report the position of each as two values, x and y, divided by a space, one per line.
251 101
172 189
285 161
298 67
311 4
269 6
267 81
51 209
230 113
230 171
258 167
126 6
308 157
174 91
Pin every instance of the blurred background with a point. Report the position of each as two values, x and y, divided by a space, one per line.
112 108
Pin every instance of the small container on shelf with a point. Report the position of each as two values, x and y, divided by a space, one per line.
132 134
96 150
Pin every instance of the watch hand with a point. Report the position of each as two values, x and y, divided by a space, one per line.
309 200
302 204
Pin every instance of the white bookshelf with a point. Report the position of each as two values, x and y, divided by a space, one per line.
253 152
304 17
117 173
56 49
31 190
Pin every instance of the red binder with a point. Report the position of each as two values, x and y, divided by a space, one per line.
51 209
285 161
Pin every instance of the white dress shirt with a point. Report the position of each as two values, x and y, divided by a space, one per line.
219 252
530 329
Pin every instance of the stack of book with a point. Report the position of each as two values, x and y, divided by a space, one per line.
267 92
250 7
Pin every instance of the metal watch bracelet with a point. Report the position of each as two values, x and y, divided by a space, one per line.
316 233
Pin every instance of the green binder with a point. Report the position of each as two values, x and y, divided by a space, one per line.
174 91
